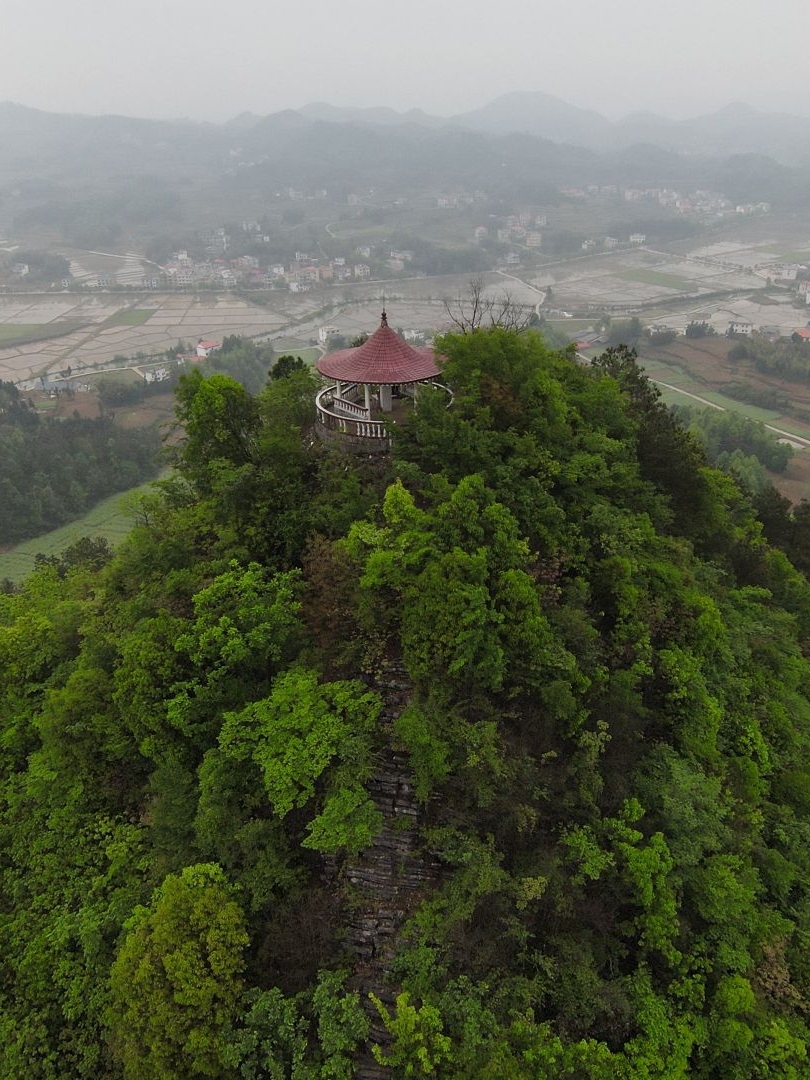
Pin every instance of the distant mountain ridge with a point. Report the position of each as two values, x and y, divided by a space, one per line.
735 129
519 146
378 115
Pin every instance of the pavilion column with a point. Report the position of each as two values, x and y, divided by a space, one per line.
385 398
367 389
339 391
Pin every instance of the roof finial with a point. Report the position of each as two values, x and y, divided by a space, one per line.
384 316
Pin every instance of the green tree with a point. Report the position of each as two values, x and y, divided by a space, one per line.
304 732
177 979
219 422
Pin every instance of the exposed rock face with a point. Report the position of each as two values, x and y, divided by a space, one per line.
386 882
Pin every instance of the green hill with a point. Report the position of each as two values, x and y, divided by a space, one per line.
488 758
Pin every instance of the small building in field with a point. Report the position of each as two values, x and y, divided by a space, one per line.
743 329
205 348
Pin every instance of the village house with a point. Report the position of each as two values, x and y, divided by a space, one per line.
743 329
205 348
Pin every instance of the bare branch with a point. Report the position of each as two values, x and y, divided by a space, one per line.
474 310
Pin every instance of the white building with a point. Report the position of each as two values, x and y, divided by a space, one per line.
205 348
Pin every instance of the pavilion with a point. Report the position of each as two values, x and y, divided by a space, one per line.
369 385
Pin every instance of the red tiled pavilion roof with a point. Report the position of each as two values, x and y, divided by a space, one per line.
384 359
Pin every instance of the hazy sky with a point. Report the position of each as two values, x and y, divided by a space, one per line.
211 59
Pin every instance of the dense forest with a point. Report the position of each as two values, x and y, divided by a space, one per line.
52 471
486 758
738 445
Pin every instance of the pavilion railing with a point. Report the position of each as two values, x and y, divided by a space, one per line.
344 416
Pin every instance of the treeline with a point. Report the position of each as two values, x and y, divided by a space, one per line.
740 446
767 397
52 471
788 359
601 693
138 202
43 268
247 361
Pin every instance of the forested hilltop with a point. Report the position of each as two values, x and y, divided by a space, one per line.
489 758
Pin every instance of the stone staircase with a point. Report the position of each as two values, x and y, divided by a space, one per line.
384 885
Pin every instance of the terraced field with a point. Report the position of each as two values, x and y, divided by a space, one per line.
112 519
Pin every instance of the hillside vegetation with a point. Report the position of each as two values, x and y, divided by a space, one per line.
545 621
52 471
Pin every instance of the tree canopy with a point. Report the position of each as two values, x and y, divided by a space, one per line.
486 758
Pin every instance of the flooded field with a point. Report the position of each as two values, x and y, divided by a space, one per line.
111 325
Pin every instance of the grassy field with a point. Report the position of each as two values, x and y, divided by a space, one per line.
118 376
681 396
26 333
655 277
685 385
130 317
110 518
308 354
571 327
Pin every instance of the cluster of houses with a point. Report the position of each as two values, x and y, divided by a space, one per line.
414 337
735 328
458 200
704 204
299 275
523 228
610 243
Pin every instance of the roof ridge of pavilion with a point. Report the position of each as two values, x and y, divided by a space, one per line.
387 358
384 336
